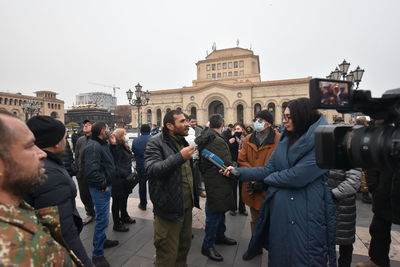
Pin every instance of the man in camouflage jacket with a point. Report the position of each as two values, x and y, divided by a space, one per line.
27 238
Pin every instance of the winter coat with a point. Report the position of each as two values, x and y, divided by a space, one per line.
253 155
98 164
162 162
79 147
296 223
138 148
344 186
68 160
385 189
123 164
60 190
218 187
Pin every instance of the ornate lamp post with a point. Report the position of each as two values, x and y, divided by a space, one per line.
31 107
142 99
354 76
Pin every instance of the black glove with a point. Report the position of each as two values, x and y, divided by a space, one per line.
255 188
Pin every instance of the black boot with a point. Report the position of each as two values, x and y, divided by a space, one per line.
212 254
120 228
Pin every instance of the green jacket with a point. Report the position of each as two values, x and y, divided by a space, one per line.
32 238
218 187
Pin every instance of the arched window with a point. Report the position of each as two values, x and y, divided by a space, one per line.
180 109
239 113
1 100
52 106
168 110
20 102
271 108
54 115
15 102
257 108
216 107
158 117
48 104
5 101
193 112
149 116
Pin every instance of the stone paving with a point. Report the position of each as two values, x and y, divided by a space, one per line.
136 247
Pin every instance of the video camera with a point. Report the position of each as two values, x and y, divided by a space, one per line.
345 147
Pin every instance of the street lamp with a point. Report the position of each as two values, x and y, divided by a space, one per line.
31 107
142 99
341 73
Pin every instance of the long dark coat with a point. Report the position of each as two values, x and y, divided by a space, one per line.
123 164
218 187
296 223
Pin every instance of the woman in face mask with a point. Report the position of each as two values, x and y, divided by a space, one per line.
235 144
120 189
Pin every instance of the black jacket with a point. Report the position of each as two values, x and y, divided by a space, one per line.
68 160
123 163
162 161
385 189
344 186
98 164
60 190
218 187
79 147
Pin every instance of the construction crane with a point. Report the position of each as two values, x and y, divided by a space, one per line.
105 85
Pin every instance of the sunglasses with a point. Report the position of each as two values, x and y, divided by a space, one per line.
286 117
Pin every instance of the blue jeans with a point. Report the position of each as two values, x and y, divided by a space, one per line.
101 202
215 227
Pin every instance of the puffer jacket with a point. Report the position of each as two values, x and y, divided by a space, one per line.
98 164
344 186
162 162
218 187
123 162
296 223
68 160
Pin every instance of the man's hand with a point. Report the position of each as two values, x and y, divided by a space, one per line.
187 152
232 140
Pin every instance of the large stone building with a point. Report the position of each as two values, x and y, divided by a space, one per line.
228 82
89 112
47 100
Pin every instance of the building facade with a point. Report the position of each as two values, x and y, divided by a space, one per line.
102 100
49 104
78 115
229 83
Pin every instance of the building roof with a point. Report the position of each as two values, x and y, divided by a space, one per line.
229 52
235 85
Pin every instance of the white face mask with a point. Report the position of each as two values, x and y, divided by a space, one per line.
126 138
258 126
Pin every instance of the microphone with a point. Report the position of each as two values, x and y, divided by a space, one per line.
217 161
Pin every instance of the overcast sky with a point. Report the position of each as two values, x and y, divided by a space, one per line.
63 45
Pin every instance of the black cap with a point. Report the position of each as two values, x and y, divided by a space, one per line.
86 121
47 130
266 115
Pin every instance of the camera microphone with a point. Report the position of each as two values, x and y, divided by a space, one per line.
217 161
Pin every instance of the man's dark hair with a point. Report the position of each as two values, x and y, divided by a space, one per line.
191 117
6 134
302 116
145 128
169 118
216 121
97 127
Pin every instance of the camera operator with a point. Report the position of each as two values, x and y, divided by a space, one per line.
385 189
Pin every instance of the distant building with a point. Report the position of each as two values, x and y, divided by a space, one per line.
49 104
90 112
229 83
102 100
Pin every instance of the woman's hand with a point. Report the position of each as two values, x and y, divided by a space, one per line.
232 140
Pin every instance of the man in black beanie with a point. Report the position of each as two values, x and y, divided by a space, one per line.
59 190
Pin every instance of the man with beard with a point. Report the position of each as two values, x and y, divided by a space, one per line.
172 190
59 189
80 178
99 170
28 237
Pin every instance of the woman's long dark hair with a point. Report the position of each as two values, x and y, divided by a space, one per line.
303 116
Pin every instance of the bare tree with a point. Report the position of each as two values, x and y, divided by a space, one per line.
123 115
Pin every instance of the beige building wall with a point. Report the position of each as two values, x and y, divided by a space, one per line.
246 91
51 106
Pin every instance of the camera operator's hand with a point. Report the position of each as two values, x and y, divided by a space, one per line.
256 187
187 152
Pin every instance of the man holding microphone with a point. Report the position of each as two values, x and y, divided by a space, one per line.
172 190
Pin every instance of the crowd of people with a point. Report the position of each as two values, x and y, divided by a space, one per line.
298 211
